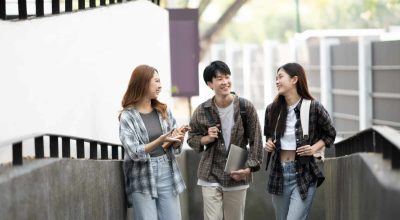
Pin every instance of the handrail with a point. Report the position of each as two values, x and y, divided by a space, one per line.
55 7
17 147
378 139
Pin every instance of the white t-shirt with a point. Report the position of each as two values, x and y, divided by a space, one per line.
226 116
288 141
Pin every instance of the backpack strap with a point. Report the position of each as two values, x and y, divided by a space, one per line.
243 115
305 117
210 119
209 116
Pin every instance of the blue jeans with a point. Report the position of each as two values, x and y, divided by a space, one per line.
166 206
289 205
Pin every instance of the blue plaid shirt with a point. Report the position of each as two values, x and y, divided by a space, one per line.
320 128
138 171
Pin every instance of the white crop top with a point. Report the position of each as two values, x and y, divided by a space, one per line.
288 141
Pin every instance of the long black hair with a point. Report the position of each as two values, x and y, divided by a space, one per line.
279 106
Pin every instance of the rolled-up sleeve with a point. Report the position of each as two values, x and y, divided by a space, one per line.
255 158
172 125
130 140
326 130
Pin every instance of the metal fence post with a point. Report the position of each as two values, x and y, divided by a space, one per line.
93 150
3 14
53 146
17 153
39 147
114 152
81 4
66 147
104 151
22 13
39 8
387 149
55 7
395 157
68 5
80 148
92 3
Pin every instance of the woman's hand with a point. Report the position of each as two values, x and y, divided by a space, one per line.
269 145
171 136
180 132
305 150
175 137
184 128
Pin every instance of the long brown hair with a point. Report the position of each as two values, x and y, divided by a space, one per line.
137 88
279 106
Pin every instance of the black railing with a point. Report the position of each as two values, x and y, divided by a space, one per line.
17 147
55 7
378 139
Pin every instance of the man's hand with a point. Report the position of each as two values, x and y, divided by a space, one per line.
212 134
240 174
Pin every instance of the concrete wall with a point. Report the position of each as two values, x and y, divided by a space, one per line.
62 189
360 186
67 73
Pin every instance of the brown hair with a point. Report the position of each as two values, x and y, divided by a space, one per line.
279 105
137 88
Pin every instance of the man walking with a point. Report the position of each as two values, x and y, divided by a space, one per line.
215 125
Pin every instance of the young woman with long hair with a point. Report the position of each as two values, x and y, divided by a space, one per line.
149 135
294 174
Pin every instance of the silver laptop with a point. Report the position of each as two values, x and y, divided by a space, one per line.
236 159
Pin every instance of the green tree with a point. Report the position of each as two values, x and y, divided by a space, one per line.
277 19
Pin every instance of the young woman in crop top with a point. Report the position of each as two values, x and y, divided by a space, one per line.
294 174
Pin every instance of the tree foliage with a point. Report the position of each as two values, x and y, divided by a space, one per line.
276 20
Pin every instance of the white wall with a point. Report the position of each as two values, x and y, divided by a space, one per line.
67 74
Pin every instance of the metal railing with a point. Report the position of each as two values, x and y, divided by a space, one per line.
378 139
17 147
55 7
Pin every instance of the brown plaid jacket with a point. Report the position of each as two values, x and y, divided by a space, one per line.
320 128
212 163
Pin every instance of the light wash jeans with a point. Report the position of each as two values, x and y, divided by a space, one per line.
166 206
289 205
